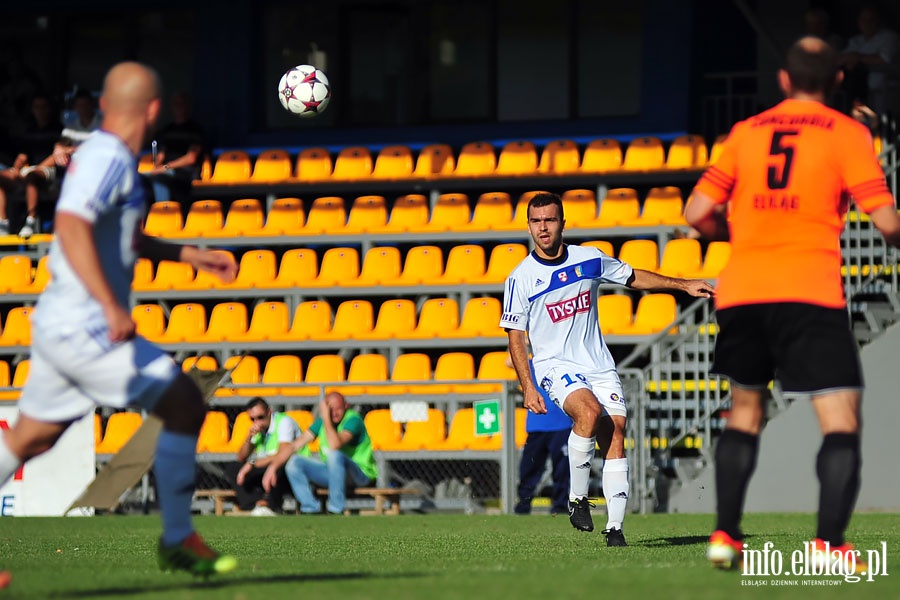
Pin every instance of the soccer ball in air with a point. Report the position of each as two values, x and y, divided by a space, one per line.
304 90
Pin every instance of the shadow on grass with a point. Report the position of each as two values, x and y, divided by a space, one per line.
200 584
680 540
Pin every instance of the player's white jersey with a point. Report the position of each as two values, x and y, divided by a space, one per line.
556 303
102 187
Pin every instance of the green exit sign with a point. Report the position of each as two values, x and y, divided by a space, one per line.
487 417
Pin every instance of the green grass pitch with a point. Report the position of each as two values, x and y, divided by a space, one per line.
432 557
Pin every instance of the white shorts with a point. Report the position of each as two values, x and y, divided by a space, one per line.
561 380
73 372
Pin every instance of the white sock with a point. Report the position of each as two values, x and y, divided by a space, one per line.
581 455
615 490
9 462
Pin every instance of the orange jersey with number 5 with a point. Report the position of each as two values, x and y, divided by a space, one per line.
787 174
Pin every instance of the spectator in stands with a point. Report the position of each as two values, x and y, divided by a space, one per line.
86 119
181 148
869 60
10 177
84 350
270 432
552 297
817 22
346 458
781 308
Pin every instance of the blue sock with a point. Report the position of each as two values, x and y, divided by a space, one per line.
175 471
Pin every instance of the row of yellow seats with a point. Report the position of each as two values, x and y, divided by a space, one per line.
493 211
381 266
475 159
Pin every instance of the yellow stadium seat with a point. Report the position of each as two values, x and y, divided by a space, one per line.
616 314
303 418
269 321
681 258
663 206
149 320
409 368
451 211
601 156
205 280
297 268
465 263
326 215
143 274
521 434
601 245
493 210
119 428
368 213
495 365
214 433
206 170
396 319
187 323
421 435
580 208
382 428
517 158
476 159
644 154
716 151
239 432
461 435
560 157
687 152
654 312
339 265
717 256
4 374
393 162
17 328
42 276
504 258
200 363
640 254
620 207
245 217
145 163
325 368
380 264
204 219
164 219
437 316
279 370
286 217
9 395
311 319
410 212
170 275
366 368
98 430
352 318
354 162
313 164
423 266
481 318
452 366
231 167
227 321
271 166
435 160
15 274
256 270
23 370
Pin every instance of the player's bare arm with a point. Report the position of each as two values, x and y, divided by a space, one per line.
280 458
518 352
887 221
707 217
648 280
76 239
217 263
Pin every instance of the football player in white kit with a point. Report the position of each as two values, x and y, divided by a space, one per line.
552 296
84 351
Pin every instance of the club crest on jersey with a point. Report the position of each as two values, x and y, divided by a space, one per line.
578 271
563 277
568 308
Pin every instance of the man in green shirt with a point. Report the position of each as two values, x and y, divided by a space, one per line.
345 458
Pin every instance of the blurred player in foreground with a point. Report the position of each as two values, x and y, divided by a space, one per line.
84 351
786 175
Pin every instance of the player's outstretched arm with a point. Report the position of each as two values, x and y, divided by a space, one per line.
648 280
217 263
707 217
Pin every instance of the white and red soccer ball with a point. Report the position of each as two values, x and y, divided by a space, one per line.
304 91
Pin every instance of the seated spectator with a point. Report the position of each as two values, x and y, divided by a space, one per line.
86 118
817 22
9 179
181 148
867 60
270 434
346 458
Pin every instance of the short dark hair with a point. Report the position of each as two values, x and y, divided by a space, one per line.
811 69
257 401
546 199
83 93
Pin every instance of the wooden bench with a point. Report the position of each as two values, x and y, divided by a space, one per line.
381 495
218 497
